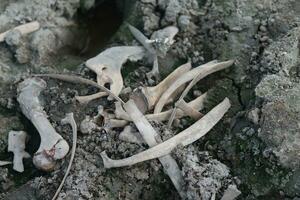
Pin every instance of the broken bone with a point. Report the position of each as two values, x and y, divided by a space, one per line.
24 29
201 71
16 144
107 65
128 135
53 147
184 138
150 136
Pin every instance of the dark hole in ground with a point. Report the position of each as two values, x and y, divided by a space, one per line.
101 22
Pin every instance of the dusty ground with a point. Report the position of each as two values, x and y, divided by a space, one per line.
255 146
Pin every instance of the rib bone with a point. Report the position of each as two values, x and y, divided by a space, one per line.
201 72
53 146
186 137
16 144
150 136
24 29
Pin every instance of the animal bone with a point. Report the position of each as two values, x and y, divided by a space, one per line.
107 65
231 193
196 104
69 119
24 29
53 147
162 38
148 96
16 144
76 79
3 163
150 136
201 71
127 135
88 98
87 126
184 138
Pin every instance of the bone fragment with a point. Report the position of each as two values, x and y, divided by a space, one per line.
184 138
69 119
201 71
24 29
53 147
16 144
3 163
128 135
150 136
88 98
231 193
107 65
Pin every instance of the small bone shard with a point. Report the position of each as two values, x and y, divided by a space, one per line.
231 193
186 137
69 119
150 136
107 65
16 144
24 29
201 72
128 135
53 147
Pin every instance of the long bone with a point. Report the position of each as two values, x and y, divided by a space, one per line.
196 104
53 147
184 138
16 144
107 65
24 29
201 71
3 163
150 136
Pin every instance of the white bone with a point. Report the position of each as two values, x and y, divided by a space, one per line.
69 119
196 104
201 72
53 146
184 138
24 29
128 135
16 144
107 65
88 98
3 163
150 136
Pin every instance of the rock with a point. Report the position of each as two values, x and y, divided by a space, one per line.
231 193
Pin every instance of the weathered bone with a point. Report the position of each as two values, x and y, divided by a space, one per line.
16 144
24 29
150 136
107 65
196 104
88 98
53 147
152 94
188 110
186 137
201 71
128 135
3 163
69 119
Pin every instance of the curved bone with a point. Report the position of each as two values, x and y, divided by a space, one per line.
69 119
88 98
24 29
186 137
107 65
201 71
53 146
150 136
152 94
196 104
16 144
